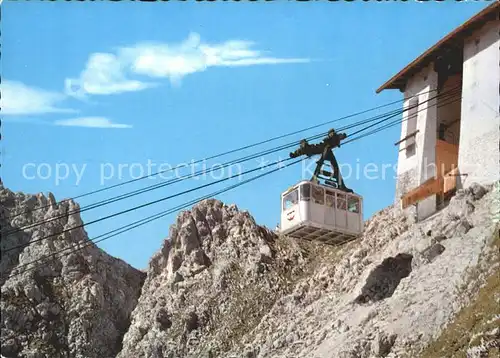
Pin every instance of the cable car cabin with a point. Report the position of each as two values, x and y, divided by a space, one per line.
317 212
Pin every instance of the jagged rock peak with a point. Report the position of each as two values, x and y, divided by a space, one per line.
58 301
207 231
215 277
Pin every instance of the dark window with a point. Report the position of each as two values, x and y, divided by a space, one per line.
318 195
411 126
330 200
410 150
305 192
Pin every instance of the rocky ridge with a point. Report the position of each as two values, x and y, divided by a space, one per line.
223 286
71 304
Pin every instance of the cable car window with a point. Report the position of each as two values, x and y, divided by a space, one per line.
305 192
290 199
318 195
353 206
341 202
330 200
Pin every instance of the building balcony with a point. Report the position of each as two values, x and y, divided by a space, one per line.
445 180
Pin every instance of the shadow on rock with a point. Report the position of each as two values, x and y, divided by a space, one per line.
385 278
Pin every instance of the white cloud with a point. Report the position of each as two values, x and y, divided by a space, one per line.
20 99
104 74
91 122
107 73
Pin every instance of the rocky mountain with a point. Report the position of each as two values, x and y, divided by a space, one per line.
223 286
55 301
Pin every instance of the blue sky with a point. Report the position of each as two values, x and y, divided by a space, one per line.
96 85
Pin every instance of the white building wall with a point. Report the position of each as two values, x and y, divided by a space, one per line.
427 155
480 123
415 170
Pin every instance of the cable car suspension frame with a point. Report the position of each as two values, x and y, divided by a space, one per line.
325 150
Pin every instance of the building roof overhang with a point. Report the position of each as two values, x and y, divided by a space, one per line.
451 41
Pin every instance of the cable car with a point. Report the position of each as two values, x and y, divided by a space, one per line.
317 212
326 211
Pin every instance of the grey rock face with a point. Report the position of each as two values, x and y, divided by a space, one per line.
223 286
385 278
382 344
433 251
70 305
408 280
216 276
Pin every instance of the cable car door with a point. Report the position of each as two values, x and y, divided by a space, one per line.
290 215
318 204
